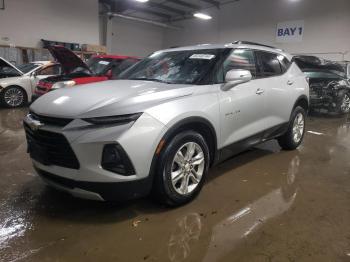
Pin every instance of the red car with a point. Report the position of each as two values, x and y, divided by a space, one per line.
76 72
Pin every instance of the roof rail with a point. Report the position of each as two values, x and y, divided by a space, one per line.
253 43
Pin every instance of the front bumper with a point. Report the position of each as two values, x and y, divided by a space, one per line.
139 140
98 191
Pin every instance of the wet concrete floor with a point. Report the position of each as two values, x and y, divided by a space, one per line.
263 205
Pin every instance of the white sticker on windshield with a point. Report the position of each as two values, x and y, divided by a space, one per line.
202 56
103 62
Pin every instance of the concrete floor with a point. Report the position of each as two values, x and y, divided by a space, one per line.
263 205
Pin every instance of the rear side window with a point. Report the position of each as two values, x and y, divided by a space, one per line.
269 64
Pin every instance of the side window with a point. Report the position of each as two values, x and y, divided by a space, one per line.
269 64
50 70
240 59
285 63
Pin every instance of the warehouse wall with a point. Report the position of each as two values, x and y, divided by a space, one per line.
25 22
133 38
327 25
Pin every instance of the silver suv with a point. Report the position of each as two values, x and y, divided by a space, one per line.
166 121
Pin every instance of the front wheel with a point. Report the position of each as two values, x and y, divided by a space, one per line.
296 130
181 170
13 96
344 103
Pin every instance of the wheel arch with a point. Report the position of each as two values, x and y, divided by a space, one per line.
196 123
302 101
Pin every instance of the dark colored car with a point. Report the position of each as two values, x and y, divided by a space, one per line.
329 83
76 72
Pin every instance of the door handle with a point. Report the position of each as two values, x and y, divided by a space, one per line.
260 91
290 82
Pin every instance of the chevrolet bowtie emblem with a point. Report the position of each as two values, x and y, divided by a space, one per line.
33 124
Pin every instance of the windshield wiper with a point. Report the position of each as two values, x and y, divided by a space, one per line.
150 79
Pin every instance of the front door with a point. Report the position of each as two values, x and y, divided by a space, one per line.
242 108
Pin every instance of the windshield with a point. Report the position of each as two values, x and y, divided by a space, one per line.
25 68
99 66
175 67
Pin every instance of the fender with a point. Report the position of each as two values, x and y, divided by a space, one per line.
187 122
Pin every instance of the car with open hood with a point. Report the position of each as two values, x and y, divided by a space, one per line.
76 72
17 83
166 120
329 83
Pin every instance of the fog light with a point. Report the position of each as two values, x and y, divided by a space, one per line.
115 159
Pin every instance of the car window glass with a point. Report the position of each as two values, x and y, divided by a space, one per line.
8 71
175 67
269 64
117 69
285 63
322 75
240 59
50 70
237 59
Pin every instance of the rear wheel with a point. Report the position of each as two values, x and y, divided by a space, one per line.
13 96
344 103
181 170
296 130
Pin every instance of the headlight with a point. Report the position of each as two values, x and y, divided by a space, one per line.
112 120
59 85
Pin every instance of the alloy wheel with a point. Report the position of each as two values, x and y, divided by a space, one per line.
187 168
13 97
298 127
345 105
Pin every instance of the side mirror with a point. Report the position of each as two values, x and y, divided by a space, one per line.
34 73
236 77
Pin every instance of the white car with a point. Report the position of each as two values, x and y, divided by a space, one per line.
17 84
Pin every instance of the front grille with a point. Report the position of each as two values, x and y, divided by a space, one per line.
55 121
50 148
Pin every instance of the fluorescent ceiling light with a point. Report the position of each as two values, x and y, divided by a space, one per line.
202 16
142 1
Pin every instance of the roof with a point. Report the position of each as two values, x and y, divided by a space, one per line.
229 45
116 56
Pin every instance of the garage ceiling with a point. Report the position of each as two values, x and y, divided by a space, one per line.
163 10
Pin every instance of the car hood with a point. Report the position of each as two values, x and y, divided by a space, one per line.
68 60
4 62
114 97
9 80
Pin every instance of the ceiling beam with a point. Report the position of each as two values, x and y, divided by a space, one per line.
122 6
183 3
212 2
150 11
166 8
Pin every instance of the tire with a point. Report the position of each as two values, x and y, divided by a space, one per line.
13 96
343 104
294 135
169 188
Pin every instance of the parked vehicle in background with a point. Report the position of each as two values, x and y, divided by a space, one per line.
166 121
329 83
17 83
76 72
